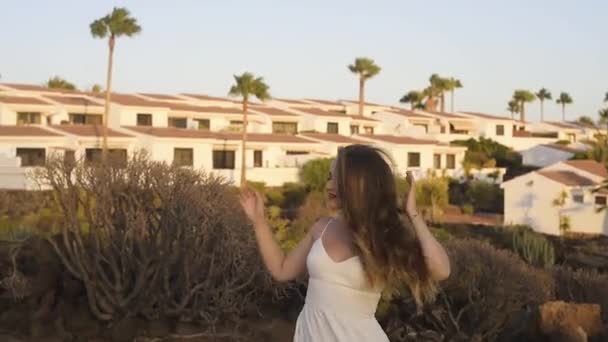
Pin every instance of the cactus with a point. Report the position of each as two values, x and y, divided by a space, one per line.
533 248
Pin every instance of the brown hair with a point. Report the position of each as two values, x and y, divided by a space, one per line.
385 239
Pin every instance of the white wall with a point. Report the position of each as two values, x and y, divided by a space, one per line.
127 116
542 156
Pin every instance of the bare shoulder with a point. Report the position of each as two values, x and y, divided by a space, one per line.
318 227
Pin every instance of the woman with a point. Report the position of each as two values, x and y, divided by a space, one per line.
368 245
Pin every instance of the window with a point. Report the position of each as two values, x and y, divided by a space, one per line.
223 159
296 153
203 124
442 129
437 161
257 158
69 157
578 198
285 127
369 130
500 129
600 200
183 157
118 156
178 122
332 127
85 119
28 118
144 119
31 156
354 129
235 126
451 161
413 159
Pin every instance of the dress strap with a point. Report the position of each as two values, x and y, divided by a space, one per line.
324 229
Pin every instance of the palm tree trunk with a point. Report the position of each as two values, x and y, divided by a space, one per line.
452 101
564 112
542 111
106 110
244 145
522 116
412 104
361 94
442 97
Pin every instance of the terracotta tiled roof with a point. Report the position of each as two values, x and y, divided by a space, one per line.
26 131
326 102
22 100
271 110
74 100
394 139
206 97
160 96
170 132
88 131
202 109
132 100
320 112
335 138
590 166
489 116
568 178
365 103
292 101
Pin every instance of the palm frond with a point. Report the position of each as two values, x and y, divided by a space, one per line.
99 29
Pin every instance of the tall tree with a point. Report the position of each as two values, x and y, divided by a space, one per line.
522 97
586 121
437 88
451 85
112 26
414 98
513 107
366 68
542 95
57 82
247 86
96 88
564 99
606 97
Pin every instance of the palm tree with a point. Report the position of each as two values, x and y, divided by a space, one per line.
247 86
57 82
414 98
522 97
366 68
114 25
586 121
564 99
542 95
513 107
453 84
438 87
606 97
96 88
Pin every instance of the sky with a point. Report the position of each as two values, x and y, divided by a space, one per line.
302 48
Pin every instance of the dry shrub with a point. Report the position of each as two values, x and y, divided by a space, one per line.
156 241
582 286
488 290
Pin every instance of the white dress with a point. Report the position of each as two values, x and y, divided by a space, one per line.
340 305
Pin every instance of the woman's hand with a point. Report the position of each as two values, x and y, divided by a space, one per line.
410 198
253 205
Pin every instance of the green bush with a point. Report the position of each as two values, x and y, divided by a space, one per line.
582 286
533 248
314 173
294 195
467 209
485 196
481 151
563 142
432 196
258 186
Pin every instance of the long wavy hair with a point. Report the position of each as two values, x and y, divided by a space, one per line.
384 237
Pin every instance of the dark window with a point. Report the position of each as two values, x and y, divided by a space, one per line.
600 200
203 124
285 127
578 198
183 157
451 161
144 119
437 161
354 129
369 130
413 159
257 158
332 127
500 129
296 153
32 156
85 119
442 129
223 159
27 118
178 122
117 157
69 157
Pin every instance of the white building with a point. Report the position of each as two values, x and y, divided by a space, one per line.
530 198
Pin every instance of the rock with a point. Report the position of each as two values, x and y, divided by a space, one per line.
124 330
563 318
